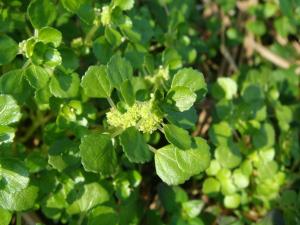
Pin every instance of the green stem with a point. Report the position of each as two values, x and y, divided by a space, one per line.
81 218
152 149
91 33
110 101
19 218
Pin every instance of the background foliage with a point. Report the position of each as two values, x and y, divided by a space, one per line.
149 112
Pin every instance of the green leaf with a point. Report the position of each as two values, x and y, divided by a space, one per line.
50 35
127 92
8 49
93 194
192 79
182 97
240 179
103 215
73 5
228 86
5 216
175 166
14 174
9 110
63 85
102 49
172 59
95 82
232 201
220 133
177 136
135 146
20 200
15 84
211 186
97 154
228 156
119 70
7 134
123 4
45 54
41 13
37 76
192 208
113 36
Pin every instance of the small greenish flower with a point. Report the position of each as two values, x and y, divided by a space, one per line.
141 115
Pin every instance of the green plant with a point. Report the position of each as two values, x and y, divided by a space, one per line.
105 117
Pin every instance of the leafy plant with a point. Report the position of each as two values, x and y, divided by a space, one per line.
106 117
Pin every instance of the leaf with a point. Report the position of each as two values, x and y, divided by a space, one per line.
103 215
45 54
186 119
97 154
232 201
41 13
37 76
135 146
50 35
211 186
127 92
14 174
192 208
95 82
93 194
5 216
7 134
119 70
123 4
64 85
182 96
228 156
8 49
102 49
14 83
177 136
73 5
175 166
20 200
113 36
228 86
192 79
9 110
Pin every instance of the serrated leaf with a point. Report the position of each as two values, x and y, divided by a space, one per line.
50 35
37 76
14 174
104 215
177 136
123 4
5 216
7 134
175 166
119 70
192 79
95 82
20 200
41 13
127 92
228 156
93 194
9 110
97 154
181 97
8 49
135 146
113 36
15 84
64 85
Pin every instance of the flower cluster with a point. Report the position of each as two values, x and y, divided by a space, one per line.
141 115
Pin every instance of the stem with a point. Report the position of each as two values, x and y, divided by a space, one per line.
19 218
89 36
116 133
152 149
26 64
110 101
81 218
